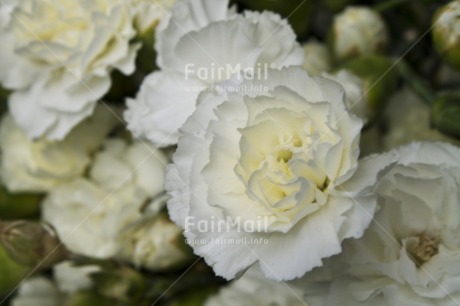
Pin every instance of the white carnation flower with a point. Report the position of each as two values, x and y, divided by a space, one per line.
90 215
57 57
38 291
410 255
39 166
358 31
254 289
201 43
278 161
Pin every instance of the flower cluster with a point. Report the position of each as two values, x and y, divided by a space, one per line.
203 152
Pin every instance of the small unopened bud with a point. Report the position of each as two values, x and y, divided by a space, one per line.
317 58
445 114
31 244
155 243
446 33
358 31
123 284
380 82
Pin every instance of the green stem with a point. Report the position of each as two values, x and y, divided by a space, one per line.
419 85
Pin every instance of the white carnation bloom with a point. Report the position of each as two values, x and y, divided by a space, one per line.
201 43
410 255
38 291
408 119
253 289
154 242
89 215
358 31
57 57
277 161
39 166
318 59
71 278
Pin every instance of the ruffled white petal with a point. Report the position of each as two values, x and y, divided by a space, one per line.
187 16
153 114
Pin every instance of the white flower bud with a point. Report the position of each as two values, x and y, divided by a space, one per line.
446 33
358 31
154 243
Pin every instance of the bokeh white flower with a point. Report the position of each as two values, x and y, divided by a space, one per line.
201 43
280 159
89 214
446 33
57 57
358 31
38 291
41 165
154 242
71 278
